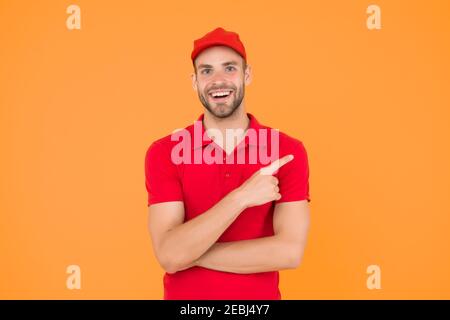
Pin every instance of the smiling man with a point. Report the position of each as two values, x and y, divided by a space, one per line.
223 229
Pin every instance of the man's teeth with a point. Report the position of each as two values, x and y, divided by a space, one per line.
220 94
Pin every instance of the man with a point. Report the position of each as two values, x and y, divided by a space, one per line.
222 230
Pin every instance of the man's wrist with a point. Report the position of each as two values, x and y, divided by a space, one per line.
238 198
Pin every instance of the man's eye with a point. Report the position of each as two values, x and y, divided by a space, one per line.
205 71
230 68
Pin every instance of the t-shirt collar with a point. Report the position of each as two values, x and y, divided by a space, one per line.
254 124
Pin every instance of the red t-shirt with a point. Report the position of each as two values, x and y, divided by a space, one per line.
201 185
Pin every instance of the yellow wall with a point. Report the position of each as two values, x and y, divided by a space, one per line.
79 108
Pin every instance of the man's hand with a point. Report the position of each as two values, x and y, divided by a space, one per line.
262 186
178 244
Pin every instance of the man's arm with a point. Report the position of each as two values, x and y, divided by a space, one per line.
178 245
283 250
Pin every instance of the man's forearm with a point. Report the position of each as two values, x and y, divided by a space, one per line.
251 256
187 242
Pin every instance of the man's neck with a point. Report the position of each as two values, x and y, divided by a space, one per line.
238 120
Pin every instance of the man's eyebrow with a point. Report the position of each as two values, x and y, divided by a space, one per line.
228 63
204 66
234 63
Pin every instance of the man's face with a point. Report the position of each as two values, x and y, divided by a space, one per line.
220 80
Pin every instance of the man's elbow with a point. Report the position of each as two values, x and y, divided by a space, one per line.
295 262
171 263
169 267
168 264
295 257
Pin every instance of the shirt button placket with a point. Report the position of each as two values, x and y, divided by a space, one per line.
226 166
227 175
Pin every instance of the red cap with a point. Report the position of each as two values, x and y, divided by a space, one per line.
218 37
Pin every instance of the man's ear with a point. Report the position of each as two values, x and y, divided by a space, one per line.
248 75
194 81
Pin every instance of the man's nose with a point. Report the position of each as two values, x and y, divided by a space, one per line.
218 77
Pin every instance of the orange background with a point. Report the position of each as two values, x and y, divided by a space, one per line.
79 109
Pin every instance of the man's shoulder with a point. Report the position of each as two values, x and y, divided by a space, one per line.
163 145
286 141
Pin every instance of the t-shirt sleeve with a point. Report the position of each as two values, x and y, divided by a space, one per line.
161 176
293 177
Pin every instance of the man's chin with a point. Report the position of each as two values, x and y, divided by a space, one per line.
221 111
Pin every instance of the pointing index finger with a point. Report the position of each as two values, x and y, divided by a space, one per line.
277 164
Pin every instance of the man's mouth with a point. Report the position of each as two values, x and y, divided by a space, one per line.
220 95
